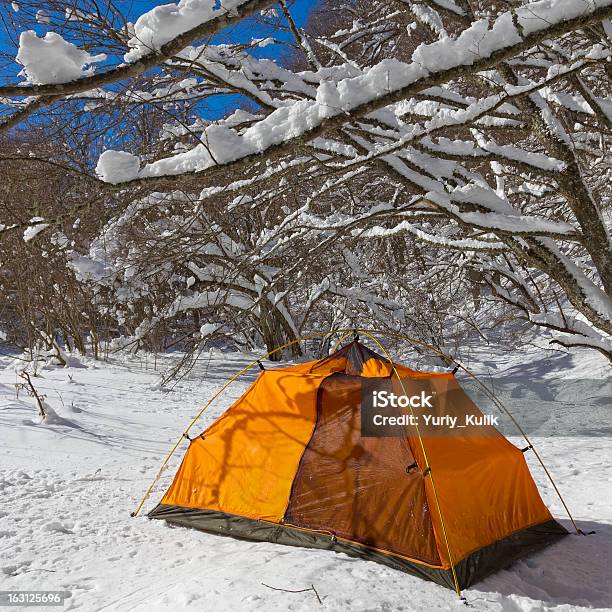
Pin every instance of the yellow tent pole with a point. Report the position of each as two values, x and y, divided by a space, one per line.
210 401
342 339
252 364
501 406
428 469
498 403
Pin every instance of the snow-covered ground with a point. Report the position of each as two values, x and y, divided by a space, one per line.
68 487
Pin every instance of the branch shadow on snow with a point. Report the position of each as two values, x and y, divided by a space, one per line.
536 369
563 407
575 571
112 431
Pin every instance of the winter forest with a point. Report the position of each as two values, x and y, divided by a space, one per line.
190 189
247 172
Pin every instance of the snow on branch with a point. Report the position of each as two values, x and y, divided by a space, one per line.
464 244
478 47
216 22
468 171
572 332
502 217
593 295
164 23
51 59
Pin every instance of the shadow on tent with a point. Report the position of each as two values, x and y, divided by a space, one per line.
575 571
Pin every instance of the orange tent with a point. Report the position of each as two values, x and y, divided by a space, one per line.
289 463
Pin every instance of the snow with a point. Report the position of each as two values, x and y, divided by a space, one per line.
220 145
269 12
33 230
68 487
163 23
42 16
88 269
406 226
430 17
502 215
51 59
450 6
117 166
208 329
74 14
595 296
538 160
534 14
588 336
263 42
205 299
480 39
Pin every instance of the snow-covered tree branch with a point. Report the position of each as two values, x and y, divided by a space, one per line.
474 137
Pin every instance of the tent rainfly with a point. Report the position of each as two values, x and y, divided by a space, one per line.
288 463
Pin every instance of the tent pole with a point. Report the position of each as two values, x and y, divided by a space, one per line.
428 469
499 405
215 396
